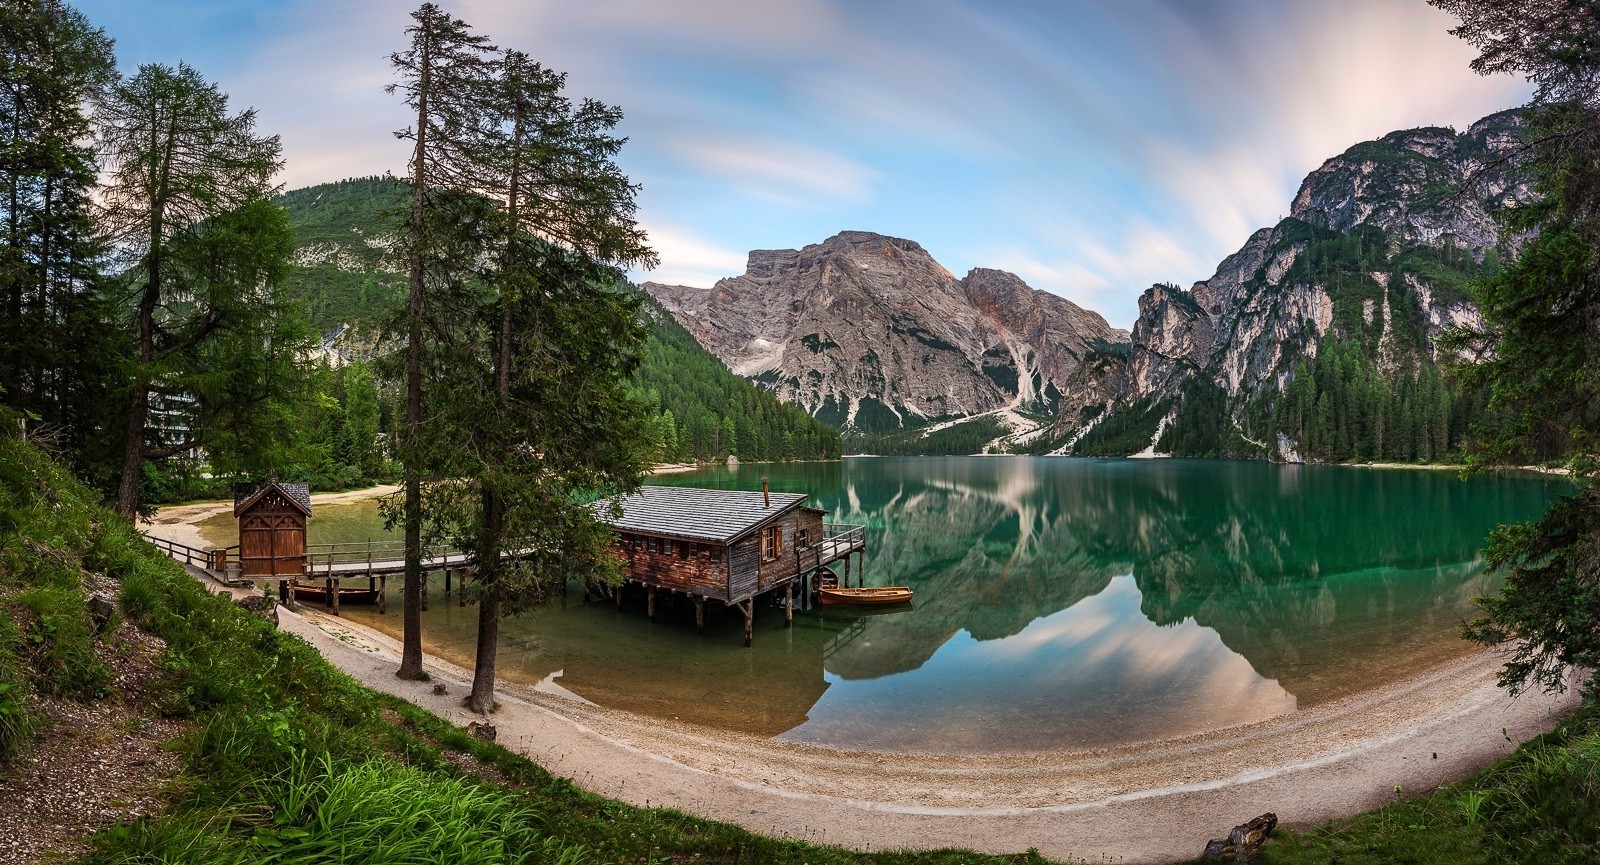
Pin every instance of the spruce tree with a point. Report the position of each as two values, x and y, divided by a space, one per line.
56 342
442 76
1539 353
556 421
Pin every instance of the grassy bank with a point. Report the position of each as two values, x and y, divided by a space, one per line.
285 759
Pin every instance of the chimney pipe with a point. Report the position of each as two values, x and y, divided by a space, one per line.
766 494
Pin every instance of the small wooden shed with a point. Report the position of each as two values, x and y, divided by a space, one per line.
272 529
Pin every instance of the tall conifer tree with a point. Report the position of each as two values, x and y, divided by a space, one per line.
1540 348
52 64
203 251
556 420
442 76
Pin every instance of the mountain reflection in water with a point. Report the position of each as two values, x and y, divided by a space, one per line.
1059 603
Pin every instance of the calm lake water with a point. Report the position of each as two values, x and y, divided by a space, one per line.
1059 602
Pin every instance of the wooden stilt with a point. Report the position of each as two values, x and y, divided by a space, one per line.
327 600
447 582
424 591
333 595
650 603
749 608
788 605
616 594
383 594
699 614
461 590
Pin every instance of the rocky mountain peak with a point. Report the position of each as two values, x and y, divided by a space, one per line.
869 331
1420 185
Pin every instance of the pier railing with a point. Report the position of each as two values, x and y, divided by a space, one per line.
214 558
851 534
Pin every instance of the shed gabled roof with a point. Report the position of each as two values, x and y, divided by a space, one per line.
719 516
245 495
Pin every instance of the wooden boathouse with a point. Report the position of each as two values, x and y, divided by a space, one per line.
727 546
272 529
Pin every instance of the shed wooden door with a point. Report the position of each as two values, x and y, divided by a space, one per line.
272 544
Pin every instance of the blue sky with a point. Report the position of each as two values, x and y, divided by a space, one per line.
1091 147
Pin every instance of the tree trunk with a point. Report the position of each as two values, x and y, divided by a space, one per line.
411 636
139 401
481 699
133 451
494 506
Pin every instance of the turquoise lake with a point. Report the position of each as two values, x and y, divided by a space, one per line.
1060 603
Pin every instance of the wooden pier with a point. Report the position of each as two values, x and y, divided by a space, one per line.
724 547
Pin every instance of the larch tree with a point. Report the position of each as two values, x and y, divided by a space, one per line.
1539 351
185 207
442 75
554 419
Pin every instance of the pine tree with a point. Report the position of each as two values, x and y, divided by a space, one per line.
1540 349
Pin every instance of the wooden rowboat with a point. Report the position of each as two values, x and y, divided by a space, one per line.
318 593
870 596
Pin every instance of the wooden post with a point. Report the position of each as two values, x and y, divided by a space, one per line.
650 603
424 591
788 605
749 608
447 582
616 592
333 595
461 590
383 594
700 614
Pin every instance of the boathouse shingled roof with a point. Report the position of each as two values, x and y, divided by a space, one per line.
246 494
698 514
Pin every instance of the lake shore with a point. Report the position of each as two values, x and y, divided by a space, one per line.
1149 802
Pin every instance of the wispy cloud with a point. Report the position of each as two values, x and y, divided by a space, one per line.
1090 147
779 171
688 259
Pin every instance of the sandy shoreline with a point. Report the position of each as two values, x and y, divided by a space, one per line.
1151 802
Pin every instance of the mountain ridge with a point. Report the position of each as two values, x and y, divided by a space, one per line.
1374 264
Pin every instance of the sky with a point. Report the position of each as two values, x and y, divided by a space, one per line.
1092 147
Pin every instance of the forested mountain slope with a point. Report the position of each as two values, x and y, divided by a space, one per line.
350 286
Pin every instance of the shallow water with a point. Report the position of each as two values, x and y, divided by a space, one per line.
1059 603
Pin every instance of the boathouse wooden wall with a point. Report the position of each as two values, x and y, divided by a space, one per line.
785 565
703 572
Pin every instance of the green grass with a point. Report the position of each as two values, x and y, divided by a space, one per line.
1537 805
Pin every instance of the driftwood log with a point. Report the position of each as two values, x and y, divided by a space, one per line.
1243 844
